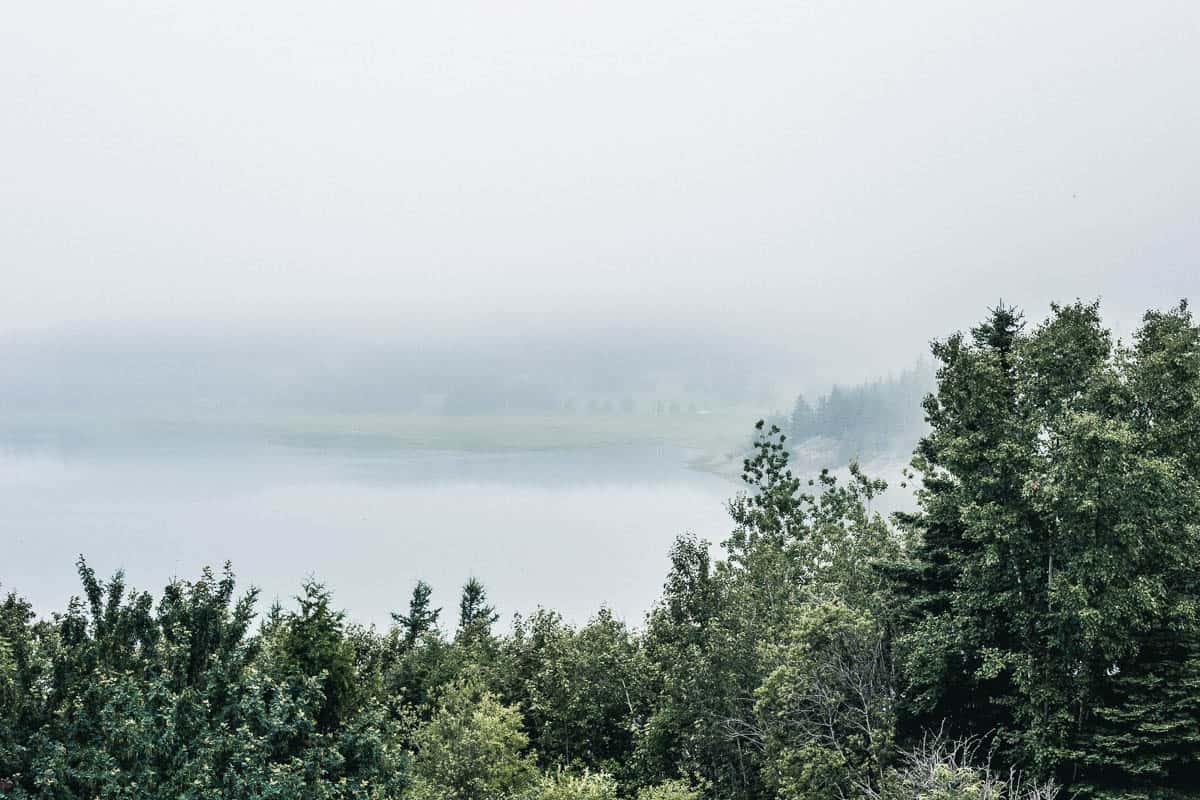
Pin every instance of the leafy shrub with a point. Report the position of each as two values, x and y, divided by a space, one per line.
471 748
670 790
561 785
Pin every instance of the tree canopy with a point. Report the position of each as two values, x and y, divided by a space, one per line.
1030 629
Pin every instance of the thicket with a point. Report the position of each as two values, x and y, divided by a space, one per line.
1032 630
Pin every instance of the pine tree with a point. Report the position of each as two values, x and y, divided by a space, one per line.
420 618
1058 527
312 644
474 613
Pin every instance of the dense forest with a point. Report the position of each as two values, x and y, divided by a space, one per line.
1031 630
864 420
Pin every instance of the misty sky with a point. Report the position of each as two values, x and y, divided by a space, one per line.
848 177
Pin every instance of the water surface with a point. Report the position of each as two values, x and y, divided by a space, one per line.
569 529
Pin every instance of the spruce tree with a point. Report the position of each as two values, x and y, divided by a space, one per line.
474 613
1055 594
421 617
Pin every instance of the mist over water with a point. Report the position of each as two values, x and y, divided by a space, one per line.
282 273
569 529
497 300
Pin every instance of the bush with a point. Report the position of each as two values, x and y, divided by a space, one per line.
939 769
671 790
562 785
471 748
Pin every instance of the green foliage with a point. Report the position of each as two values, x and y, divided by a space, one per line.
473 607
1059 544
416 674
311 645
669 790
826 713
939 769
560 785
475 618
703 670
581 692
421 617
788 550
180 701
471 747
1041 607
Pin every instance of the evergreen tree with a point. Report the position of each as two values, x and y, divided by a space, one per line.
1059 544
710 638
800 422
312 645
421 617
474 613
582 692
1042 605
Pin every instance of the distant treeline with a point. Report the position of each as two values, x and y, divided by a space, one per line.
1031 631
883 416
183 372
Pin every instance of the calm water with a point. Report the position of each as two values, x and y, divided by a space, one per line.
567 529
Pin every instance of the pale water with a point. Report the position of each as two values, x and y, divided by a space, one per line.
567 529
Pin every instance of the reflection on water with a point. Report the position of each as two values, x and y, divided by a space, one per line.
570 529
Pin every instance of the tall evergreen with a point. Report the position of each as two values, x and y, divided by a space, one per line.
421 616
474 613
1058 526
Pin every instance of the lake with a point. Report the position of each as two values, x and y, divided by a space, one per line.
569 529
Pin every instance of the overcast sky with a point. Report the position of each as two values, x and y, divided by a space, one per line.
844 175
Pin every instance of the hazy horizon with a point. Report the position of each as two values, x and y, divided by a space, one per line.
795 178
618 316
691 211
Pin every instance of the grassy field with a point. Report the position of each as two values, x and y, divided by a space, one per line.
718 440
710 433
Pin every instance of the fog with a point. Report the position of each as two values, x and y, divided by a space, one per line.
470 208
852 178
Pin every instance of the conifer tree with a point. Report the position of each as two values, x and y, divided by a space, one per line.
421 617
473 609
1059 519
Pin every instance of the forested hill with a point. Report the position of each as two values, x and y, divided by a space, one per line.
863 421
1031 631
